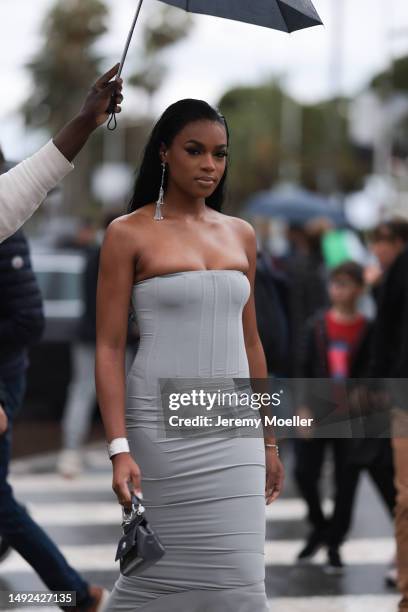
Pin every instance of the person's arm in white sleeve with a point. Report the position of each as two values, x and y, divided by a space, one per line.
23 188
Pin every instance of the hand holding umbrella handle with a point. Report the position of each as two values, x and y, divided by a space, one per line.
92 114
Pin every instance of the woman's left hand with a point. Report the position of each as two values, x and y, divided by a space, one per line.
275 475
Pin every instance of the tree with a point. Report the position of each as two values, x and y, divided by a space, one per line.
165 27
259 149
327 157
66 65
392 80
62 72
253 115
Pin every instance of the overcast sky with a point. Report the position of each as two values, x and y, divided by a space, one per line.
219 54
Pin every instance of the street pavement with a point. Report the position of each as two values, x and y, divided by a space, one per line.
83 517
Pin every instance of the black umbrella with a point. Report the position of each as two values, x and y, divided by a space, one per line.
284 15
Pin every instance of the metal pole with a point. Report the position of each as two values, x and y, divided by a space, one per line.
291 139
336 61
383 144
329 179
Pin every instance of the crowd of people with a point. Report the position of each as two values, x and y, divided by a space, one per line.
331 337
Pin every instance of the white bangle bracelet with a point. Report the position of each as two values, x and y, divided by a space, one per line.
118 445
275 446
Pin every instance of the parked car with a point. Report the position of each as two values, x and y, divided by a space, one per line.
59 274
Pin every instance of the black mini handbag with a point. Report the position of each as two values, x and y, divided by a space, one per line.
139 547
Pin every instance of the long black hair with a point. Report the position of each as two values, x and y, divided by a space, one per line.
173 120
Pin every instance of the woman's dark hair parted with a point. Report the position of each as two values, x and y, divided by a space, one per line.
173 120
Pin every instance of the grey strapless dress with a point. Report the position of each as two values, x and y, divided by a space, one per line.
204 496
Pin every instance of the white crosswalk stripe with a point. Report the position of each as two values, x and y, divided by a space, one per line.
83 513
282 552
59 505
356 603
54 483
71 514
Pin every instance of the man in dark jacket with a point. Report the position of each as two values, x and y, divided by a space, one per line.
271 304
390 361
21 324
307 284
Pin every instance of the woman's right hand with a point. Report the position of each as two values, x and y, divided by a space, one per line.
125 472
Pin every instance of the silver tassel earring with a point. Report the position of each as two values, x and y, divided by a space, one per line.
160 202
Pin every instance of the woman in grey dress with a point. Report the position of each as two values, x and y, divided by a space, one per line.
189 271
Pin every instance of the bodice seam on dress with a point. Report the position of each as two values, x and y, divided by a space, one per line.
187 272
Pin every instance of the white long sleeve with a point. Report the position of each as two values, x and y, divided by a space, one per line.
25 186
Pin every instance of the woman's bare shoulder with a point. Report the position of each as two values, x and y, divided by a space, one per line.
240 226
129 225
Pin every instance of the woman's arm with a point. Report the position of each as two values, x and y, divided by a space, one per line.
255 353
116 274
258 368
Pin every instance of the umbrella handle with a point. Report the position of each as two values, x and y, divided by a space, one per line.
112 123
112 105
